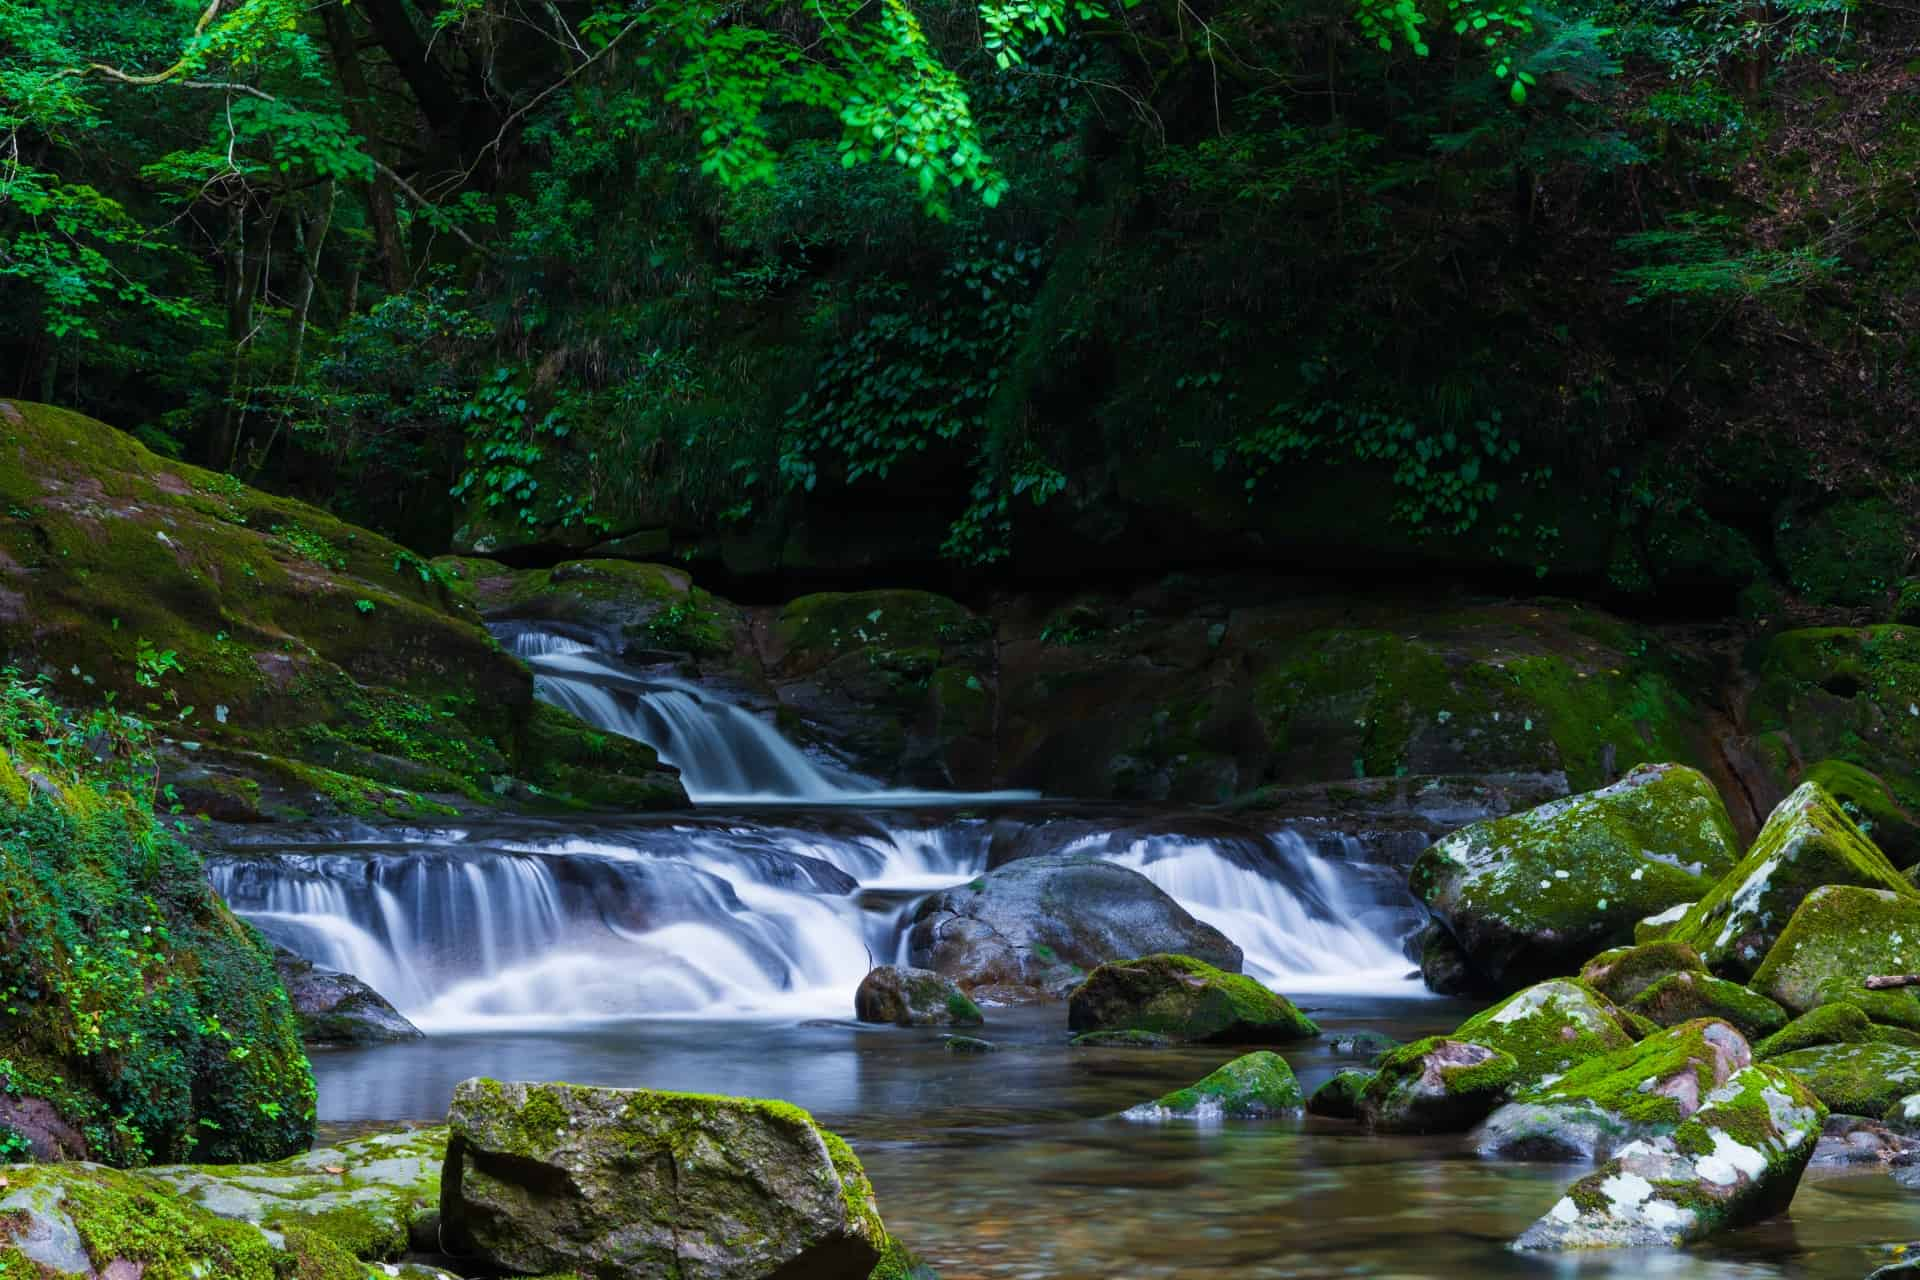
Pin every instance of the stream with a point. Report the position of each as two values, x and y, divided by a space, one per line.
718 950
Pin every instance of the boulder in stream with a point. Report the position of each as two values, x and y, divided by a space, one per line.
338 1008
1186 999
1436 1085
1837 937
1339 1098
1549 1028
550 1178
1035 927
913 998
1856 1079
1252 1087
1738 1159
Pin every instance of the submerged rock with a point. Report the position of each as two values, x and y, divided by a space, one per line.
969 1045
1371 1045
1548 1028
1856 1079
913 998
1837 937
1808 842
1855 1140
1339 1098
1255 1086
1737 1159
1436 1085
634 1182
338 1008
1122 1040
1185 999
1040 924
1644 1091
1682 997
1534 894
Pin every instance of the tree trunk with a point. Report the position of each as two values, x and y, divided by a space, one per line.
380 203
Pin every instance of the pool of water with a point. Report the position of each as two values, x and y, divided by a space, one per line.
1012 1165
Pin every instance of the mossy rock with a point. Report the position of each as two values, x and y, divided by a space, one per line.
1837 937
1256 1086
1650 1087
1683 997
914 998
146 1022
1437 1085
1738 1159
1128 1039
1548 1028
1534 894
1870 802
1339 1097
1808 841
968 1046
552 1177
1904 1114
1835 1023
1851 553
85 1220
1186 999
1624 972
1860 1079
1660 926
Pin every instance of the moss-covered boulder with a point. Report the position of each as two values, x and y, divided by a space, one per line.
1808 842
1436 1085
1838 936
1186 999
1534 894
1624 972
1682 997
1904 1113
1862 1079
319 667
96 1223
1128 1039
1834 1023
613 1182
1549 1028
913 998
338 1008
1256 1086
1738 1159
1643 1091
374 1197
1339 1097
1034 928
142 1021
1849 553
1875 809
629 609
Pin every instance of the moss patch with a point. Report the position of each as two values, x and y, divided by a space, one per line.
1185 999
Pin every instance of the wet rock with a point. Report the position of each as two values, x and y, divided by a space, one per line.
1837 936
1641 1092
1122 1040
1436 1085
1855 1079
633 1182
1682 997
1548 1028
1534 894
1444 966
1371 1045
338 1008
1042 923
1624 972
1904 1114
1256 1086
969 1045
1854 1140
1807 842
1737 1159
1186 999
1339 1098
913 998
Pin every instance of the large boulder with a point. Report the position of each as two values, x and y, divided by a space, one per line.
1737 1159
1838 936
1549 1028
1037 926
1837 1022
1534 894
1624 972
1856 1079
1682 997
633 1182
1339 1097
1809 841
1185 999
1643 1091
1436 1085
913 998
1256 1086
338 1008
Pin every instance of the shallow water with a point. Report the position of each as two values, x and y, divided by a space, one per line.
1011 1165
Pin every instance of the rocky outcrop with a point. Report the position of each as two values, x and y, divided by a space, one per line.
1737 1159
1187 1000
632 1182
338 1008
1537 893
1257 1086
913 998
1036 927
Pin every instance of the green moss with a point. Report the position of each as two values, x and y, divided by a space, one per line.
1548 1028
1339 1097
1257 1084
1837 937
1186 999
1849 553
1682 997
1843 694
1624 972
1855 1079
1631 1083
1122 1040
1870 802
1437 1085
963 1012
1835 1023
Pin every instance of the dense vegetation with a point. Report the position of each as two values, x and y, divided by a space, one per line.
1622 293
